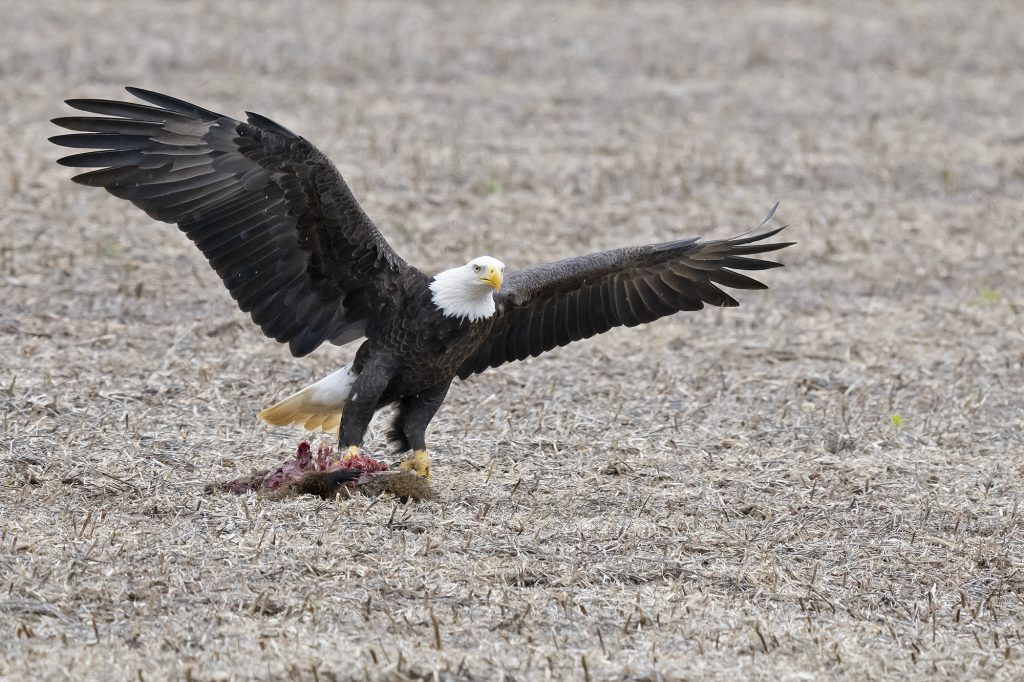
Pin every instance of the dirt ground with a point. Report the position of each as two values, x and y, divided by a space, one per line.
823 482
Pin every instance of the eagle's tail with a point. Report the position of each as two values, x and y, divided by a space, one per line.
317 407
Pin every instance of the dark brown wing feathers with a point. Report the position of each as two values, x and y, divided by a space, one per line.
554 304
280 226
270 212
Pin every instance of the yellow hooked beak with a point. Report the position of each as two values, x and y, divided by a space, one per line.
493 278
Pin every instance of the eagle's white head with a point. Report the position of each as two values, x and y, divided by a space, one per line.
468 291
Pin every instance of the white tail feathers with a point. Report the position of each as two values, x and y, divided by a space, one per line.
296 410
317 407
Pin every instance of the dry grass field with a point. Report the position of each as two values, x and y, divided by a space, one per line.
822 483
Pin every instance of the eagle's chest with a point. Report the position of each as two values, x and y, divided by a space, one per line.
421 337
431 339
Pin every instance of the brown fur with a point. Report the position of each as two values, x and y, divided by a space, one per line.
405 485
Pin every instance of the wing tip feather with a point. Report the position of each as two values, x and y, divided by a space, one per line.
172 104
264 123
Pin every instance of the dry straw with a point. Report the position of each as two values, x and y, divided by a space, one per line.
822 483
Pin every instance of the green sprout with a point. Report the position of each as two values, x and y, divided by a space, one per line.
990 296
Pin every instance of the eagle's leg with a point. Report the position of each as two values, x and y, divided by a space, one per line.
361 405
409 429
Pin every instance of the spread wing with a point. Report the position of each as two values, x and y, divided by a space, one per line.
269 211
557 303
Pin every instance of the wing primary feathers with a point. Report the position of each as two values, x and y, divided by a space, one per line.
99 124
115 177
111 159
554 303
757 248
755 238
265 123
269 211
111 141
741 263
712 295
771 214
194 182
174 104
735 280
648 289
125 110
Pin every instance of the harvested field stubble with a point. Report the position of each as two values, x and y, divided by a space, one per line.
822 482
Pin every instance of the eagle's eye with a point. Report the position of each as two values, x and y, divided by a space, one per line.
476 268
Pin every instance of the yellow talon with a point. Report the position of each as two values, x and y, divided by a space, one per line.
353 452
420 464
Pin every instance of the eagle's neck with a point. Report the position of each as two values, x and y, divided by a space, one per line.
459 295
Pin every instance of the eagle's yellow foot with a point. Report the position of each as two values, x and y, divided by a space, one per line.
353 452
420 463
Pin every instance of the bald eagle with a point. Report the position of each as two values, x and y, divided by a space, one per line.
275 219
